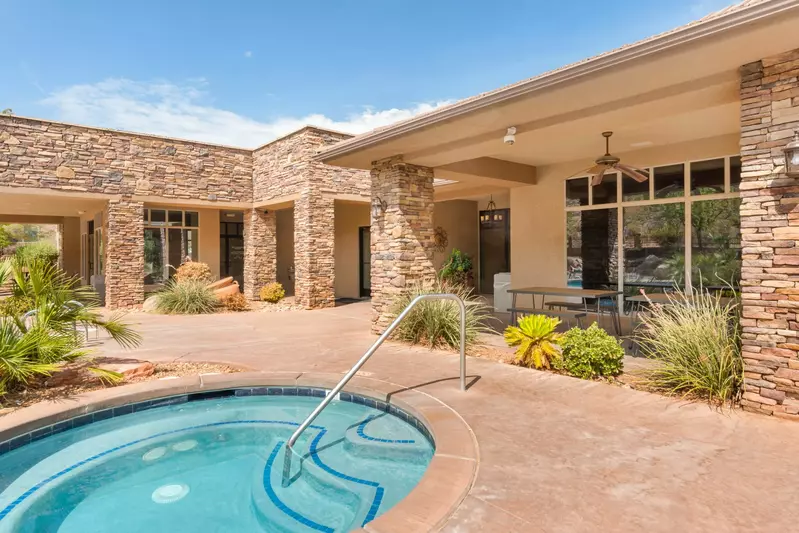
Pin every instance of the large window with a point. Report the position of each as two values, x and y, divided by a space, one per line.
681 227
171 237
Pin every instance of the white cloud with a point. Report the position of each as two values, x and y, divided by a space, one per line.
248 53
183 111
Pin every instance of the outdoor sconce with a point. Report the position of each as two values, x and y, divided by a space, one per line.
792 156
378 206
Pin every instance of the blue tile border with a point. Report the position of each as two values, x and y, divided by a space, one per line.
378 497
112 412
270 492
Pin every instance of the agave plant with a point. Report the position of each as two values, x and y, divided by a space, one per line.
41 329
536 339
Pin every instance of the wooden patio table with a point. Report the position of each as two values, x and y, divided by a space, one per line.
583 294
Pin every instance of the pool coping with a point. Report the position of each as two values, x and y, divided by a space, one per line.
446 482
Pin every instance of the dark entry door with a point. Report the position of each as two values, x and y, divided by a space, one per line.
231 250
494 246
365 247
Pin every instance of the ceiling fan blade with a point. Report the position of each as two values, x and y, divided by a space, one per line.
635 173
590 171
598 178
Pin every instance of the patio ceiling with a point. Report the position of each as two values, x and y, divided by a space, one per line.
52 205
678 87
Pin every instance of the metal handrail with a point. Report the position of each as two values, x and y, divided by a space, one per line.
341 384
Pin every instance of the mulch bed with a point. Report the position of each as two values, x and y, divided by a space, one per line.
39 392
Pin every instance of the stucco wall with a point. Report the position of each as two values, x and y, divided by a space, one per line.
209 240
459 219
349 217
52 155
70 245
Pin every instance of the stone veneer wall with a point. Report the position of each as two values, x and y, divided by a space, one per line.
314 260
402 235
260 251
51 155
123 227
770 234
284 168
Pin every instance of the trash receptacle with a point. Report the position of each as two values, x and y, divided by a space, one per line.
502 298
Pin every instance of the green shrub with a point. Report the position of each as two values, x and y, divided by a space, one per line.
272 293
436 323
189 297
236 302
695 342
34 347
590 353
16 305
194 270
536 339
457 270
36 251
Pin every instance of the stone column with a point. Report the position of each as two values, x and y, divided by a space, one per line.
769 234
314 238
260 250
124 254
402 235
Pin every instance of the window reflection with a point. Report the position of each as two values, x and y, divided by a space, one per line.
576 192
632 190
716 242
669 181
707 177
592 252
654 246
605 192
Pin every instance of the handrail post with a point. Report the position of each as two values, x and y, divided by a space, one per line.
386 334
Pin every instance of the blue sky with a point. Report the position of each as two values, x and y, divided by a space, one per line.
245 72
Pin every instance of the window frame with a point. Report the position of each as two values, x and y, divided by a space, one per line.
165 226
687 198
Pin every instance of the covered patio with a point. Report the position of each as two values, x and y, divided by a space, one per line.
702 112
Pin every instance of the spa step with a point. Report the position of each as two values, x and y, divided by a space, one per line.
315 500
380 437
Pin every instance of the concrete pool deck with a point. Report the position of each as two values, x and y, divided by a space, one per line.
556 454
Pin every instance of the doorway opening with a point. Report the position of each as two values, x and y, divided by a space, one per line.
231 246
494 246
365 254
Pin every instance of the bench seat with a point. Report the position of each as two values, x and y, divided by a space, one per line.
566 316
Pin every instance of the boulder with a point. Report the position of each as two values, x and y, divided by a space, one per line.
137 369
150 303
82 376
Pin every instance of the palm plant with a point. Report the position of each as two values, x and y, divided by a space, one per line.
536 339
42 331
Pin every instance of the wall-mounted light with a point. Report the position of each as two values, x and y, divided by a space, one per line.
379 206
792 156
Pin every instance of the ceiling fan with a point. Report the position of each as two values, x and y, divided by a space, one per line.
608 163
